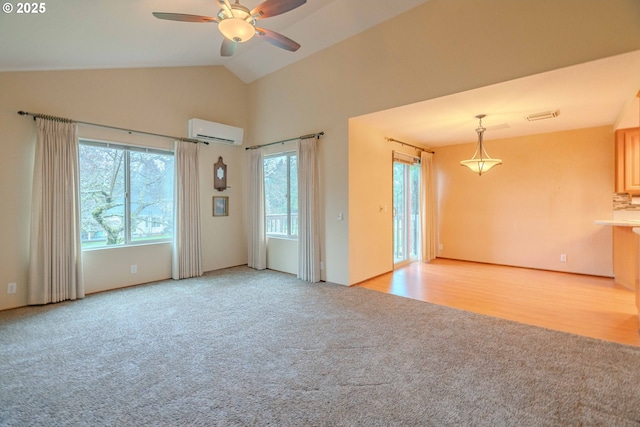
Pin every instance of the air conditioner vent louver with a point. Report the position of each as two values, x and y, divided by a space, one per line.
215 139
543 115
215 132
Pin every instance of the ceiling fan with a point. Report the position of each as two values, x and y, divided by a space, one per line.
238 24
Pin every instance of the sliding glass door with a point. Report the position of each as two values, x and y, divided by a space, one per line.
406 210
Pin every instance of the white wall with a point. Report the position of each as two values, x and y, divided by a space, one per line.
159 100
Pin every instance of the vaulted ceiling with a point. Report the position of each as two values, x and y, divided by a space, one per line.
81 34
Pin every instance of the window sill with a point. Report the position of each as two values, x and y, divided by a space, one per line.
131 245
277 237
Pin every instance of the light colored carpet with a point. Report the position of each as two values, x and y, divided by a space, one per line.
241 347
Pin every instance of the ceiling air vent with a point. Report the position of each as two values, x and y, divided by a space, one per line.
543 116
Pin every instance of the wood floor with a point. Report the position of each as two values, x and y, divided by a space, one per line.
585 305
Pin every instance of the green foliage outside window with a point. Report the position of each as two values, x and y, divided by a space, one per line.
126 194
281 194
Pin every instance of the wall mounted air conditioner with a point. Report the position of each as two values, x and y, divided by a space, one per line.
215 132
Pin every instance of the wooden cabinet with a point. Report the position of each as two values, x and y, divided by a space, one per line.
628 161
626 257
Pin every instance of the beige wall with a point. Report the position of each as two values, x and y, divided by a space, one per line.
439 48
288 106
282 255
370 188
159 100
110 268
540 203
371 200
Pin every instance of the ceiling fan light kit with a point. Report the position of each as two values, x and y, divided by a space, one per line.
237 30
480 162
238 24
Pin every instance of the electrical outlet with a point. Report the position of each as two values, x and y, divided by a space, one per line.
11 288
134 269
563 257
440 246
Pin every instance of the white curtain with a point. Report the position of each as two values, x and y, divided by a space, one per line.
187 237
55 266
256 216
308 211
428 208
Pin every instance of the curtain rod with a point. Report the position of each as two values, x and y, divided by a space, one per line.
62 119
412 146
311 135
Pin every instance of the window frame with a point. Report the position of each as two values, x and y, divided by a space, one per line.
128 149
288 155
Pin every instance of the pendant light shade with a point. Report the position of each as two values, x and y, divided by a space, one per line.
480 162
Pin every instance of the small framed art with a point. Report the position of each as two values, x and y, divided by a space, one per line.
220 206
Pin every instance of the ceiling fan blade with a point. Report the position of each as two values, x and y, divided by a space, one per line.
277 39
225 4
183 17
270 8
228 47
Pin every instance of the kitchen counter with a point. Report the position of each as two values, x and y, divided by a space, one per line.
626 254
626 251
619 222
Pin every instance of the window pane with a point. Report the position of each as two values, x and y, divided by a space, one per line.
110 216
151 185
101 195
293 198
275 194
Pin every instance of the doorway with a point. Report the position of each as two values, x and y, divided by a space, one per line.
406 209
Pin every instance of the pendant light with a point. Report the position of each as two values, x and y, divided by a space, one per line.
480 162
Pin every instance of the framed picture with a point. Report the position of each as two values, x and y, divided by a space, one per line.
220 206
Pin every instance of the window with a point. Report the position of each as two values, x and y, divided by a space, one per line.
126 194
281 194
406 208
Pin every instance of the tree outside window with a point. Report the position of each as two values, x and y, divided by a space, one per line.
126 194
